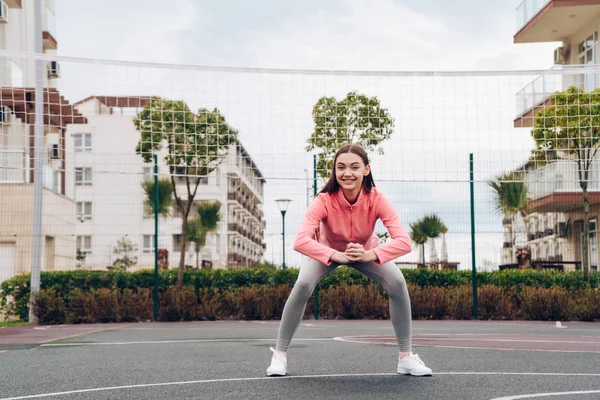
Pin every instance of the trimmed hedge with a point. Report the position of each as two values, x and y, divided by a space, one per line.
14 294
264 302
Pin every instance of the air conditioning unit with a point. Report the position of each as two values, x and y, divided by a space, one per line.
53 69
561 55
3 11
55 152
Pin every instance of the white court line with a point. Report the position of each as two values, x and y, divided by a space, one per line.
344 339
501 349
148 385
173 341
339 338
536 395
507 340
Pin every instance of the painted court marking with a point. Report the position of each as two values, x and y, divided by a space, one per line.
538 395
171 342
346 339
263 378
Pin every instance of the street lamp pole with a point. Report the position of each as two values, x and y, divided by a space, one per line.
283 205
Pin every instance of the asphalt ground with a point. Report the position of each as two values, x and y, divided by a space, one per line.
328 359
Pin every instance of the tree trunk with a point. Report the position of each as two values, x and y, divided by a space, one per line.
433 257
182 251
586 233
197 254
444 250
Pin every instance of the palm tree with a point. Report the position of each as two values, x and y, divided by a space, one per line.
432 228
165 195
419 238
511 201
163 206
207 221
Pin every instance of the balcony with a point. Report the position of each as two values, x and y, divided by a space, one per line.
14 3
553 20
534 97
49 30
527 10
247 204
555 187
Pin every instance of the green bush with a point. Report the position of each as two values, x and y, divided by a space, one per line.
265 302
79 292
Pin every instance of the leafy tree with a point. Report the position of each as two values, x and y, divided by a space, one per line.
207 222
570 128
354 119
124 251
196 144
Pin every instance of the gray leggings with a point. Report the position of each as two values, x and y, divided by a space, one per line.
311 272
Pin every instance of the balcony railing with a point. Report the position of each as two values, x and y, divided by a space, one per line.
537 92
560 177
527 10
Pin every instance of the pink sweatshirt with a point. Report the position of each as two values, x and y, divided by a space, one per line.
340 223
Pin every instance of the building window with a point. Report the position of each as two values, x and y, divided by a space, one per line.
84 244
83 142
588 55
148 211
83 176
84 210
148 173
148 244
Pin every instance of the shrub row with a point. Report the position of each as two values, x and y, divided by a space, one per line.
265 302
14 293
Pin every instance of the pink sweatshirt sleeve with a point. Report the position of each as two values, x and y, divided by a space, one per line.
305 242
400 243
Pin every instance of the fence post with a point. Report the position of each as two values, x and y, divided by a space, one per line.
38 164
473 265
155 289
316 312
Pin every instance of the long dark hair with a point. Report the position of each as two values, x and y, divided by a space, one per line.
333 186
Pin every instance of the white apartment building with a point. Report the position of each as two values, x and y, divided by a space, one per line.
17 119
17 34
555 224
104 176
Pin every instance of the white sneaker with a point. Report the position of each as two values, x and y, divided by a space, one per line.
412 365
278 365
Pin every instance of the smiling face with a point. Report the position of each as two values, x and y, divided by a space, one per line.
350 170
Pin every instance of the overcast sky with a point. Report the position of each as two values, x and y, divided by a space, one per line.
438 120
336 34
